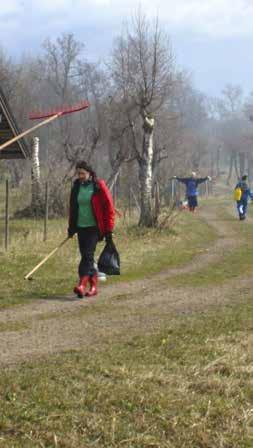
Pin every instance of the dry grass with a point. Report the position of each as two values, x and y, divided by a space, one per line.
187 385
143 252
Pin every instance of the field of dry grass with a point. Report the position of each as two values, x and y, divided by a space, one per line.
161 358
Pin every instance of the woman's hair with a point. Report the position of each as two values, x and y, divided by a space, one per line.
85 166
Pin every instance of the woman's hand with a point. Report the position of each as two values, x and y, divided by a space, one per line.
71 233
108 237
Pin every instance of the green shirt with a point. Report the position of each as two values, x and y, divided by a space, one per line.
86 216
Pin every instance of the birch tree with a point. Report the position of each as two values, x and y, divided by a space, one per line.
142 71
36 202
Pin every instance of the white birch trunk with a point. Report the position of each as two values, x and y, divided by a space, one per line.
113 178
36 185
146 174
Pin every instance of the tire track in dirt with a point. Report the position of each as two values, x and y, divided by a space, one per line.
226 242
132 308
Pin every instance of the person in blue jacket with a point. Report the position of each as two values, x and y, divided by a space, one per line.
242 204
191 184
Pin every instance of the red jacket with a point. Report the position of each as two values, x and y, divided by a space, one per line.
102 205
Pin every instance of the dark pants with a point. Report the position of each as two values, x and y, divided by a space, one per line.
192 202
87 239
242 209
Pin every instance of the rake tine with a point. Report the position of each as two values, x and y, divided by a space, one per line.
48 118
65 109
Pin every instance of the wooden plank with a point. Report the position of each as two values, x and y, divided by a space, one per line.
8 130
11 155
5 133
6 226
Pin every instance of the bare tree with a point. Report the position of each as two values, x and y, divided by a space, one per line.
71 78
230 111
60 64
142 70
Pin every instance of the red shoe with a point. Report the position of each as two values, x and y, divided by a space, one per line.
93 286
80 289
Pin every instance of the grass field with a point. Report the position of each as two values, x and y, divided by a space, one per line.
230 265
143 252
186 384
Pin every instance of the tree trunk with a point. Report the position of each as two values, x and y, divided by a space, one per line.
36 184
236 166
212 164
113 177
233 162
145 174
230 168
250 170
218 162
242 163
157 200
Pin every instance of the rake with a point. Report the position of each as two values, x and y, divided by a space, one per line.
50 116
28 276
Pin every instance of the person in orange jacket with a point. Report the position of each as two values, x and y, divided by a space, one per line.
92 217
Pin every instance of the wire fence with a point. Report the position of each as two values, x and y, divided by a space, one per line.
14 200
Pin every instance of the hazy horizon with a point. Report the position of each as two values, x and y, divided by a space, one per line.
210 38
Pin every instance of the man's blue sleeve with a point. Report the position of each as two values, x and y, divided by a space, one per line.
201 180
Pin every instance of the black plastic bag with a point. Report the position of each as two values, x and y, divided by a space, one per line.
109 260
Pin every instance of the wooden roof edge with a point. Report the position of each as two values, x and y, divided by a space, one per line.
13 124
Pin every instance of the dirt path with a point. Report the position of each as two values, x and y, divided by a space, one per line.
60 324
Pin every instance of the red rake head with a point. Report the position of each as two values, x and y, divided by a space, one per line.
59 111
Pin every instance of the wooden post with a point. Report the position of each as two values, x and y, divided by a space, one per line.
157 200
173 190
129 203
114 193
46 213
6 227
135 200
179 191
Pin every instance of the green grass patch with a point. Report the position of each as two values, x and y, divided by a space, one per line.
13 326
146 252
236 263
188 385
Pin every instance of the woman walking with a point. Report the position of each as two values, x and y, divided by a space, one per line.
91 216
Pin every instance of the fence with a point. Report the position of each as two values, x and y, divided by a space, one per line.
13 200
175 191
14 204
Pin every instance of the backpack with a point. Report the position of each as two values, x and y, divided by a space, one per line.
237 194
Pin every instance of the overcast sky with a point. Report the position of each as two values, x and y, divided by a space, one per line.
211 38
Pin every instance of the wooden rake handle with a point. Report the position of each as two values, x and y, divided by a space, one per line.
28 131
50 116
46 258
